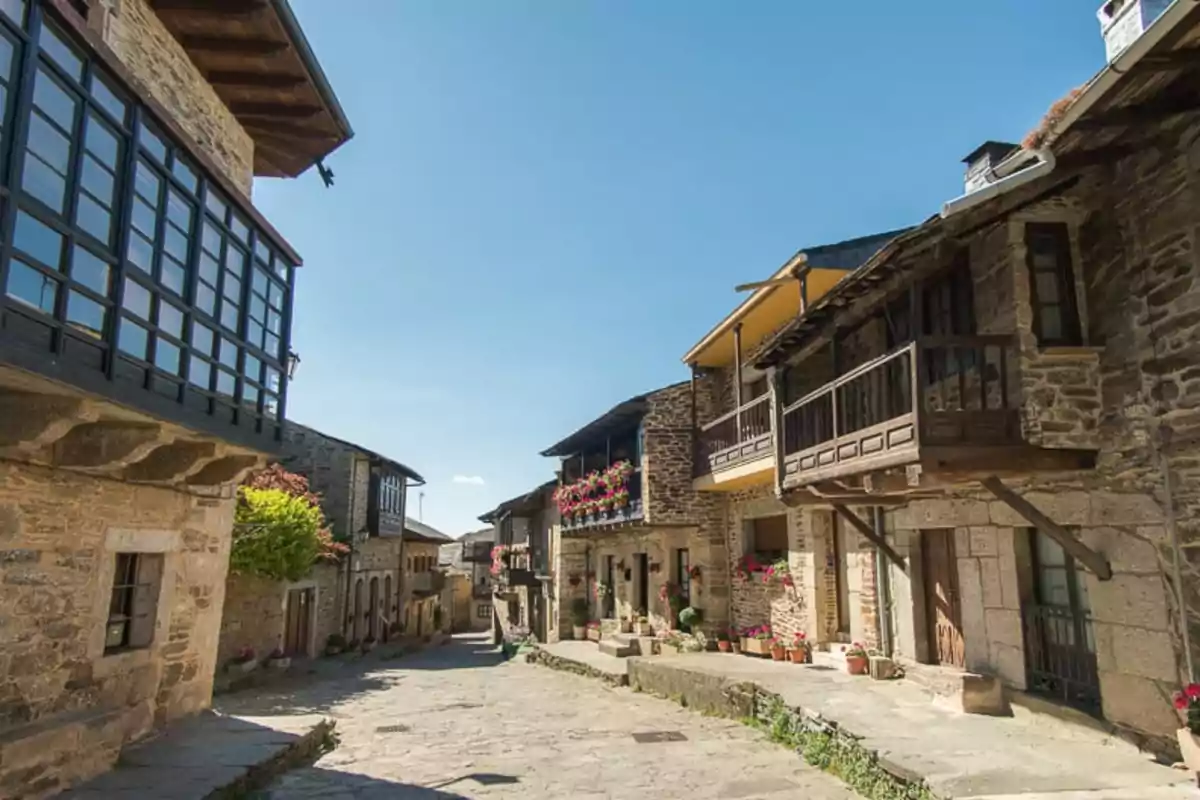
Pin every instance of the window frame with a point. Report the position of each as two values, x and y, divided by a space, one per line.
1071 324
129 570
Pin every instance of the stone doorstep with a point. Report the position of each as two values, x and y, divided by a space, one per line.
959 690
616 649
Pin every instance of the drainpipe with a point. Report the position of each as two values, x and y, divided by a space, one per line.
883 583
1005 178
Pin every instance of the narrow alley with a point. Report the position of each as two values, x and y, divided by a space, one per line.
458 722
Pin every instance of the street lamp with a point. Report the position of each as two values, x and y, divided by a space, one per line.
293 361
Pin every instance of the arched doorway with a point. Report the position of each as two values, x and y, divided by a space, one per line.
388 608
373 610
356 627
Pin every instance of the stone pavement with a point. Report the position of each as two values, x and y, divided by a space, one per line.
458 722
959 755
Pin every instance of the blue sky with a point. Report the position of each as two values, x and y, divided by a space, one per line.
546 203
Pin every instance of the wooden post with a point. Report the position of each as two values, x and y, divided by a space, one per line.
803 290
835 347
737 369
1079 551
875 537
778 425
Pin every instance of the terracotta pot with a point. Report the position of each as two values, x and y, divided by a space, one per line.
578 632
1189 745
723 646
857 665
778 652
736 647
800 655
755 647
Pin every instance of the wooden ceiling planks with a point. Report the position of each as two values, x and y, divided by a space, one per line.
245 51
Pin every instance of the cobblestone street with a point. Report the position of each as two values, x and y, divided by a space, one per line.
458 722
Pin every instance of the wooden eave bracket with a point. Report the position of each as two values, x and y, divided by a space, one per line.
871 535
1096 562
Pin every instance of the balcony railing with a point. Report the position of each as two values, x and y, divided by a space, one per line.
742 435
934 392
632 512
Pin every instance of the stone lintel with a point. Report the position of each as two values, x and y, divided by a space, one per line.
227 469
170 462
31 421
113 444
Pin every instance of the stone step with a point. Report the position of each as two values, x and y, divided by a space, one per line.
617 648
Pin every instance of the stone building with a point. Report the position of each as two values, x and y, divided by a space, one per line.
467 562
363 495
657 541
425 600
999 404
145 318
523 580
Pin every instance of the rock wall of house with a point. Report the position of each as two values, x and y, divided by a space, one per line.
253 616
667 460
415 607
133 31
378 558
330 467
66 708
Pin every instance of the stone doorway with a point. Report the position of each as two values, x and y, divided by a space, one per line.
943 607
373 610
641 564
842 538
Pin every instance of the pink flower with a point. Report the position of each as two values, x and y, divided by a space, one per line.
1181 702
1192 690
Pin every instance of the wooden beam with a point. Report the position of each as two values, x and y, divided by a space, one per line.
225 8
1151 111
254 80
286 130
871 535
1183 58
195 43
1079 551
261 109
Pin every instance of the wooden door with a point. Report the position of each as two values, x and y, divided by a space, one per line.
388 614
373 609
842 539
642 562
943 611
298 622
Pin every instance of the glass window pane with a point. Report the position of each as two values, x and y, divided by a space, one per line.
108 99
86 315
184 173
44 183
54 101
49 143
136 299
229 353
235 260
166 356
210 271
1047 287
1049 552
270 405
258 309
263 251
233 288
260 282
173 275
272 382
250 396
229 315
90 271
60 53
179 211
175 243
253 368
133 339
254 333
147 182
93 218
215 204
275 297
145 218
274 321
97 180
170 320
211 238
226 383
39 240
239 228
1051 317
202 339
153 144
140 252
271 345
206 299
102 142
199 372
31 288
15 9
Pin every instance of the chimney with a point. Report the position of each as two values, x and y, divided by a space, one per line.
1123 21
981 162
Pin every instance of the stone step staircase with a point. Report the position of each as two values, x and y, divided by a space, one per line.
623 645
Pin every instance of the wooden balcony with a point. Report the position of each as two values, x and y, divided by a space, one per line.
477 552
736 446
934 402
631 513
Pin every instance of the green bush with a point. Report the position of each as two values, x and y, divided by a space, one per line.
690 617
275 535
579 612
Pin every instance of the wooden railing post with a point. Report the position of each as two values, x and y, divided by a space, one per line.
737 368
916 368
778 425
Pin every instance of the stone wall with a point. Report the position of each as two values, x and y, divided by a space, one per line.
253 616
157 61
330 467
66 708
667 460
416 610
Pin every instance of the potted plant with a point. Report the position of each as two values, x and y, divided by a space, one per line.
620 498
690 618
593 630
857 660
579 618
278 659
801 649
735 641
723 641
368 644
778 651
757 641
243 661
642 625
1188 702
335 644
353 645
626 625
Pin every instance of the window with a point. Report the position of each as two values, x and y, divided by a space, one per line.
1052 284
390 494
133 604
483 612
683 574
949 310
768 539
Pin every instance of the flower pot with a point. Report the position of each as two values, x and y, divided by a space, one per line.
243 667
756 647
778 653
1189 745
593 634
857 665
643 629
578 632
736 647
800 655
723 646
626 626
279 663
